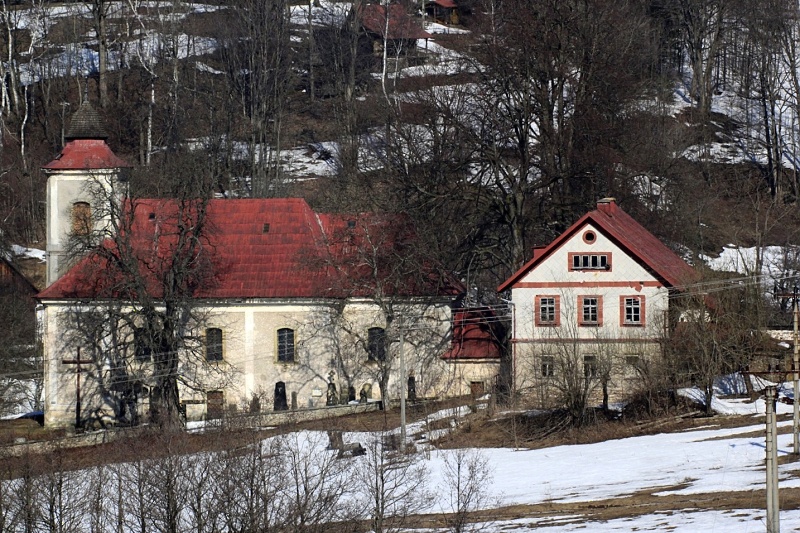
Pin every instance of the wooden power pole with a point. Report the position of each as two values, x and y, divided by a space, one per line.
795 379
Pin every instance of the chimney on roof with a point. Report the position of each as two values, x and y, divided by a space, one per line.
537 250
607 205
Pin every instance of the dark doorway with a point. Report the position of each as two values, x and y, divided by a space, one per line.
279 403
215 404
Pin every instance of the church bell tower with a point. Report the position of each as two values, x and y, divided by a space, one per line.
80 182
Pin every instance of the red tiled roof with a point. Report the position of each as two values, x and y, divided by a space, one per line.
445 3
86 154
476 334
259 248
631 236
401 25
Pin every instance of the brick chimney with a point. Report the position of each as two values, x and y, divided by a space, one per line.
607 206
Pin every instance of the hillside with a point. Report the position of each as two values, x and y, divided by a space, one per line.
703 156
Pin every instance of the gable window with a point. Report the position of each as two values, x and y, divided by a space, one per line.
81 218
376 344
589 261
286 345
214 344
631 310
141 345
590 310
548 366
590 366
548 312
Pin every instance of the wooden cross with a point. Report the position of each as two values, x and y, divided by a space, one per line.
77 362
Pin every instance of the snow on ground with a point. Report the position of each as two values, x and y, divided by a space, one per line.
328 13
709 460
683 521
32 253
436 28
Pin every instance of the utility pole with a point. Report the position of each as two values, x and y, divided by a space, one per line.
795 380
795 371
77 362
773 504
403 379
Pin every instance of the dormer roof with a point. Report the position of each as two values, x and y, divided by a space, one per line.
629 235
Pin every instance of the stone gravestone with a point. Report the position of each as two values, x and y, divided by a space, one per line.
279 403
332 397
366 393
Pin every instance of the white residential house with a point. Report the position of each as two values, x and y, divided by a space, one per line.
592 306
287 311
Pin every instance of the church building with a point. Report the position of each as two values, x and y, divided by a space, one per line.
289 308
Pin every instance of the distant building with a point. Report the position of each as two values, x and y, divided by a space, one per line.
391 26
591 306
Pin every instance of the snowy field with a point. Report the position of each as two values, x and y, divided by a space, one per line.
693 462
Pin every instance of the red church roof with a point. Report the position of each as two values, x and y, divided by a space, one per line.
262 248
631 236
86 154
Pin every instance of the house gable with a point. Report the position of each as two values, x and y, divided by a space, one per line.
612 227
578 262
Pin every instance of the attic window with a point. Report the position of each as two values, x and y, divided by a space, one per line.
351 224
590 261
589 237
265 228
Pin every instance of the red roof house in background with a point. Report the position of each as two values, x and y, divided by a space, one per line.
391 26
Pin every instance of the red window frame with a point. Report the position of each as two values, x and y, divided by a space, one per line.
599 311
538 308
623 310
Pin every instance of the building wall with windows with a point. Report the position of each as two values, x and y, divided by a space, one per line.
248 356
592 307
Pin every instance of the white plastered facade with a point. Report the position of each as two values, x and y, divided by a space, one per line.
250 366
543 348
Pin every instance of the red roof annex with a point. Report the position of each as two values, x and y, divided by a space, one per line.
477 334
258 248
631 236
